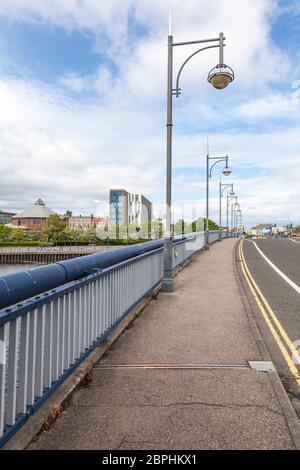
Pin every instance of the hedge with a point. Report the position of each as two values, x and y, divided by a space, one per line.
24 243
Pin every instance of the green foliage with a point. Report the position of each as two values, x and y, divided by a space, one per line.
212 225
18 235
182 227
53 227
23 243
5 233
56 232
199 225
157 229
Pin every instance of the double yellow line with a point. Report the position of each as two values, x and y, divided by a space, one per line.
284 343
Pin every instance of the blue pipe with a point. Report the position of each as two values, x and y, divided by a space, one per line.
20 286
25 284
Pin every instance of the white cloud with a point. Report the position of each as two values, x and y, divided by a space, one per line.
70 152
108 17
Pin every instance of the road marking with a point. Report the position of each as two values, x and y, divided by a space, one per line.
287 279
260 300
280 328
294 241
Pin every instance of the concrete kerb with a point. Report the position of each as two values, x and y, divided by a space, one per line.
282 396
53 407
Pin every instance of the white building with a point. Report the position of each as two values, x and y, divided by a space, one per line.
126 208
139 209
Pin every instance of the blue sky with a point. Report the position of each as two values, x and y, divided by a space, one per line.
82 87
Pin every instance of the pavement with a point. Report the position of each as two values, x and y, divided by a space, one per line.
179 378
283 299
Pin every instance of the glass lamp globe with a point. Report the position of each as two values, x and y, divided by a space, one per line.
227 171
220 76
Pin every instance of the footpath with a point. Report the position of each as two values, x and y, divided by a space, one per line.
180 377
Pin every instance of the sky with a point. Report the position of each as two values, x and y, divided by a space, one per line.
83 105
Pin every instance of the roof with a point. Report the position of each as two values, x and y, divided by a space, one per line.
7 213
38 210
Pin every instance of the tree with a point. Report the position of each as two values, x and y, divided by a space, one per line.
18 235
212 225
199 225
53 227
157 229
68 213
145 231
5 233
91 235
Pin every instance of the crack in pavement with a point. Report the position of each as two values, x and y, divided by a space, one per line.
124 441
184 404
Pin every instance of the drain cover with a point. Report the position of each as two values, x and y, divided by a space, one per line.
262 366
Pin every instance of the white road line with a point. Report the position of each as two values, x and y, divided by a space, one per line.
288 280
294 241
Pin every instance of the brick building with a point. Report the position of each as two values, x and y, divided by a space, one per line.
85 222
33 217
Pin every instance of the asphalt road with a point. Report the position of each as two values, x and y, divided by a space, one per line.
282 297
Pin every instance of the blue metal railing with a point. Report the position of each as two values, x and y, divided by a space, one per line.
53 317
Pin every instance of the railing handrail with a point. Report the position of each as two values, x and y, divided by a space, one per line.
21 308
48 335
23 285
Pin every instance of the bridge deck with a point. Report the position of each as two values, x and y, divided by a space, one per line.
186 403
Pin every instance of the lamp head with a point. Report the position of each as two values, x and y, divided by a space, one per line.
232 193
220 76
227 171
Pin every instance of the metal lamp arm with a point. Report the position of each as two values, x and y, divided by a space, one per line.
177 89
218 161
225 187
229 200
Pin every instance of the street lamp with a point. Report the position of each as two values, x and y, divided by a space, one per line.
226 172
237 211
222 188
232 207
219 77
230 196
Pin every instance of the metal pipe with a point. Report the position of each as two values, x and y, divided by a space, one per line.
220 210
197 42
227 213
221 49
184 63
167 283
207 200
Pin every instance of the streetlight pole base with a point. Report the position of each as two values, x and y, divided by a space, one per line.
168 286
167 282
206 240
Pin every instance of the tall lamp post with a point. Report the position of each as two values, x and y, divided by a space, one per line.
226 172
229 199
232 207
220 77
237 211
222 188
